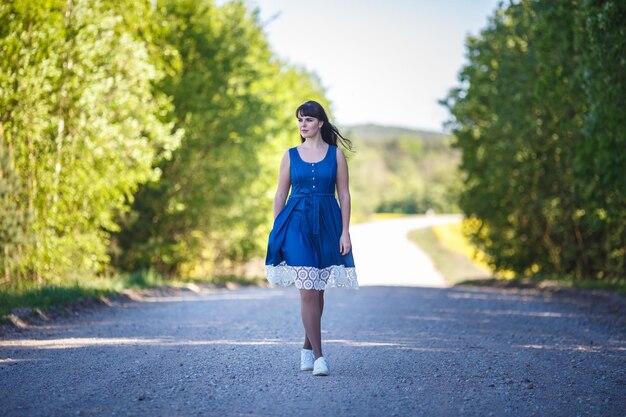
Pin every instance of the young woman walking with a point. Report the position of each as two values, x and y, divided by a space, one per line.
309 245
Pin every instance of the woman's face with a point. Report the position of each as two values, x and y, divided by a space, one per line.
309 126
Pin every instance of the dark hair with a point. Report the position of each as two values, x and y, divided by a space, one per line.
330 134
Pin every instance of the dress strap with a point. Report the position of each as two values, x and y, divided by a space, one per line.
333 160
293 163
333 151
292 154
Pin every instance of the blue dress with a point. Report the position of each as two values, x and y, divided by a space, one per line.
303 246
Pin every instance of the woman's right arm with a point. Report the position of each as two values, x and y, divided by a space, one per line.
284 182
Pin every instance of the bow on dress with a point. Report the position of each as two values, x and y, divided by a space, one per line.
312 202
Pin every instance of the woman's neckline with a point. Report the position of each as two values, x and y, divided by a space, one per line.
309 162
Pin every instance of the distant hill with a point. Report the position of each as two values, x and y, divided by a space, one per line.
401 170
372 132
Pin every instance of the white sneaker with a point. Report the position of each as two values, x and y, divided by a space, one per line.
306 360
320 367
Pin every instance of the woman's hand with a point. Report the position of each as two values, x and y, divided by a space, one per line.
345 244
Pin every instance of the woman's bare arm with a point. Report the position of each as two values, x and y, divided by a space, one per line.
284 182
343 194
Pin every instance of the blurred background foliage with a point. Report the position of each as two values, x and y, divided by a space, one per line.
399 170
539 117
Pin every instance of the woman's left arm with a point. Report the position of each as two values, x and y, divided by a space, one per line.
343 194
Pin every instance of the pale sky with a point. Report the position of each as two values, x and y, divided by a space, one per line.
381 61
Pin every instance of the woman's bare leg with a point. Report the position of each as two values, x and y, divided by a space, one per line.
307 343
312 304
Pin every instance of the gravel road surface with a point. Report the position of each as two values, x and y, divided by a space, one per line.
393 351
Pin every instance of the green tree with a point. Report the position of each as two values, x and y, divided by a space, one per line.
521 117
600 159
13 217
212 205
80 115
402 171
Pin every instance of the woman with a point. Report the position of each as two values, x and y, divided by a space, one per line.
309 245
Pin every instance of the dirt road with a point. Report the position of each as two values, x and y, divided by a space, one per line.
385 256
393 351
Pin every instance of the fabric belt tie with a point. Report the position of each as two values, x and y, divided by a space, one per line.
311 200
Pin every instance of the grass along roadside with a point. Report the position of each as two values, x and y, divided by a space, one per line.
551 283
39 299
455 265
459 262
452 236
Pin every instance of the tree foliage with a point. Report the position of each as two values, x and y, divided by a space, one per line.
210 208
81 121
398 170
137 137
536 116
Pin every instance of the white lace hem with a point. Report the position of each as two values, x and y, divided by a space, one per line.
311 278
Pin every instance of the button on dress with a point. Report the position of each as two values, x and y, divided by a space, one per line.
303 246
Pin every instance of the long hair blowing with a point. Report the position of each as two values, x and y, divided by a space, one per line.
330 133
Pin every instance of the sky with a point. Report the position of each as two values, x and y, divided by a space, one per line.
381 61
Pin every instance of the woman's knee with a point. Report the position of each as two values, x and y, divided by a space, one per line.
310 296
